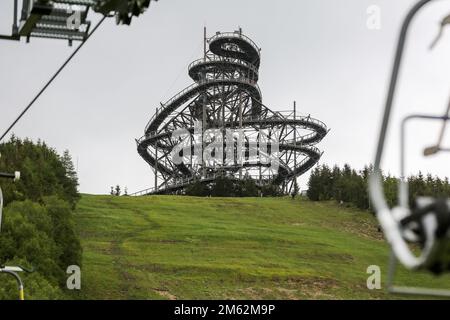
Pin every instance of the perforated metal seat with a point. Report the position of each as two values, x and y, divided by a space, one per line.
67 19
52 19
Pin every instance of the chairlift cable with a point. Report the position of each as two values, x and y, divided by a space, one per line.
52 78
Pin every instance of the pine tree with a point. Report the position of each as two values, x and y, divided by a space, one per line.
295 189
71 179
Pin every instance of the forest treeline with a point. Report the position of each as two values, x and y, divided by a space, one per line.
351 186
226 187
38 227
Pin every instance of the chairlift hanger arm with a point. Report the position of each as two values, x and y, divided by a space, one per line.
394 79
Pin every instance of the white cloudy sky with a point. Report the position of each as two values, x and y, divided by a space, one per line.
318 52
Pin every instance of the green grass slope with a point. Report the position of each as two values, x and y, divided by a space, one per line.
172 247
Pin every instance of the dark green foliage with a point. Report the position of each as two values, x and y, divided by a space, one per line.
350 186
223 187
38 228
197 189
270 190
246 188
69 180
342 184
295 190
63 233
43 172
42 236
226 187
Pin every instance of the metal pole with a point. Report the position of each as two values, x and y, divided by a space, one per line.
260 173
204 108
156 161
241 138
204 43
203 133
295 141
15 29
223 135
191 123
156 167
19 282
25 9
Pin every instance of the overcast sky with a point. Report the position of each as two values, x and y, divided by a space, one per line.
317 52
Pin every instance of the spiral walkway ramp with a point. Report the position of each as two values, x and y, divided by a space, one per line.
225 97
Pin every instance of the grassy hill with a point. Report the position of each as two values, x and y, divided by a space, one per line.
172 247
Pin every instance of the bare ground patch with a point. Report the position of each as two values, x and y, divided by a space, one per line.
165 294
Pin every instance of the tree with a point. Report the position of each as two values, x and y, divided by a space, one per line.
222 187
351 186
295 190
245 188
42 236
38 229
314 185
197 189
70 179
271 190
117 191
63 232
43 172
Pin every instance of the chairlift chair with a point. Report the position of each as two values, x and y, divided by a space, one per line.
428 223
67 19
